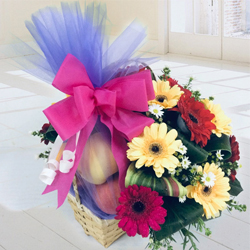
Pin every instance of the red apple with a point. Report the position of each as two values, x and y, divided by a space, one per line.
107 195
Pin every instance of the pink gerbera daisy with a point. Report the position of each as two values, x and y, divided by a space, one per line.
140 209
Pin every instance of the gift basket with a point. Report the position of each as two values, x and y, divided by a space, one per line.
133 153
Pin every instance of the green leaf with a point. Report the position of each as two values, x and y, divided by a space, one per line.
51 134
145 176
235 188
195 153
179 215
219 143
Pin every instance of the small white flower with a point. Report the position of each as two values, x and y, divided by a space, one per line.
172 172
185 162
208 179
228 172
182 199
219 155
151 240
36 157
156 110
195 168
182 149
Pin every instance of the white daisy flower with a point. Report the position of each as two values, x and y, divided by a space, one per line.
182 199
185 162
228 172
156 110
208 179
182 149
219 155
195 168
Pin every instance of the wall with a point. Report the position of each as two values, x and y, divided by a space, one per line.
13 13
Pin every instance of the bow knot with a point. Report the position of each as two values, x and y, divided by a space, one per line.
105 101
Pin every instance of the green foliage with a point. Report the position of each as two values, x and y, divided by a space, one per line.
200 226
49 136
219 143
188 237
235 187
154 244
166 74
45 155
235 205
195 153
179 215
195 93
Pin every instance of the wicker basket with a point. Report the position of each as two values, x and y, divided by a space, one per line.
104 231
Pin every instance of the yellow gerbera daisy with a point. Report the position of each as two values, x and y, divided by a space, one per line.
221 121
212 198
155 147
166 96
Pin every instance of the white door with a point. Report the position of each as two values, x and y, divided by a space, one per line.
210 28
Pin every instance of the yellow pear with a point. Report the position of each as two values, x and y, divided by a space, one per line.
97 162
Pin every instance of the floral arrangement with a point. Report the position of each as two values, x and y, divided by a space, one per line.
151 153
182 168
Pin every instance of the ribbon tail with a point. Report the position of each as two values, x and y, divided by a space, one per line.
119 148
63 181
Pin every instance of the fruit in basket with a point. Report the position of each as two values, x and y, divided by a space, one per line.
107 195
97 162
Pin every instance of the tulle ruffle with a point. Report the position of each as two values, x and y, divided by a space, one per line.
84 35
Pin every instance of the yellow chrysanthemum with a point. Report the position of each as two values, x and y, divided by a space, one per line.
166 96
213 199
155 147
221 121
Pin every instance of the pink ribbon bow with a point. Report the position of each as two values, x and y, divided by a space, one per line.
115 103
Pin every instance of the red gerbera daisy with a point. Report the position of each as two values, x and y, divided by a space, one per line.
234 149
197 119
140 209
173 82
